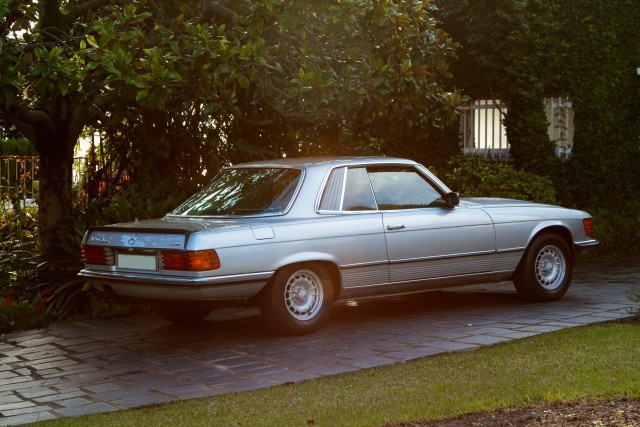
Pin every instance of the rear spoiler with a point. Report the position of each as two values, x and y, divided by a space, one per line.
176 231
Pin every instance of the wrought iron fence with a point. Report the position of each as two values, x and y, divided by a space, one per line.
19 178
482 129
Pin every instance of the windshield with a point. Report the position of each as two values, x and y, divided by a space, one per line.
244 191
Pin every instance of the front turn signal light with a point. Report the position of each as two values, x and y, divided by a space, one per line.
588 226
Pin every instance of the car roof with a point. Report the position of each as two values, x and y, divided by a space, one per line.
325 161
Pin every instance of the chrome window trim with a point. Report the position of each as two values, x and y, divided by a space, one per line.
413 166
344 186
303 174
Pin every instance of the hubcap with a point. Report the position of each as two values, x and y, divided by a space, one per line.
303 295
550 267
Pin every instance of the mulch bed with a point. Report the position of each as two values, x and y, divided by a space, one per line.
619 412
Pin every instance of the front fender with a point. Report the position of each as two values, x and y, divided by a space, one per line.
548 224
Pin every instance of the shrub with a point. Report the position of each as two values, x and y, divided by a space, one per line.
617 227
20 308
22 311
17 147
71 295
479 177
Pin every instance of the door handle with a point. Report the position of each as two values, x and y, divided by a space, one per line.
396 227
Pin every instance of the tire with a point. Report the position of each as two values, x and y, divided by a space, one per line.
298 300
184 313
545 271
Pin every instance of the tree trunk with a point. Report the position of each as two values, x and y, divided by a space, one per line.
55 202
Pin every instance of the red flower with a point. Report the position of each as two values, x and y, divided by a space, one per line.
46 291
6 302
44 299
11 293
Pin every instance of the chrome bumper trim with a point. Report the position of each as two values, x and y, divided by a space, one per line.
587 243
109 276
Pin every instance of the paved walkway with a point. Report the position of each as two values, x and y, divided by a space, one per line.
107 365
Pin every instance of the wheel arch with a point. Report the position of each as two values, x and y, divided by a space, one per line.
323 260
555 227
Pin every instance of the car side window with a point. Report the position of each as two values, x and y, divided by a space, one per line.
332 196
401 187
358 195
348 189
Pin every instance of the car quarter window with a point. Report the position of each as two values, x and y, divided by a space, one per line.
358 195
402 187
332 195
348 189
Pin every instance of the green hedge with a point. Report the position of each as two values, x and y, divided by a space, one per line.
16 147
479 177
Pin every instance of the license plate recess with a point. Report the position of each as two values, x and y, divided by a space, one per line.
136 261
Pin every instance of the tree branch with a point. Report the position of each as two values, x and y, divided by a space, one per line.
220 14
27 130
82 113
254 122
82 9
289 114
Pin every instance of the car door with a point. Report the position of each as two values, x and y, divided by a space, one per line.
353 229
425 238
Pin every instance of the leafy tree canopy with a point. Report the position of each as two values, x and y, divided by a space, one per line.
241 79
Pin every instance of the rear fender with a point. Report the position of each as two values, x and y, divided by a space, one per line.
319 258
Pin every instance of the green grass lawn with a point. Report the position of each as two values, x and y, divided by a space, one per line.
591 362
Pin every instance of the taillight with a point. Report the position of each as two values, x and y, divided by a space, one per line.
190 260
97 255
588 226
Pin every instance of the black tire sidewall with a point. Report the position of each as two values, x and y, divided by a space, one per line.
526 281
275 312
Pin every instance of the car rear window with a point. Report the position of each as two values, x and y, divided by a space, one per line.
244 191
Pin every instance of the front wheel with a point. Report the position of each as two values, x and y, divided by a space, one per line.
545 272
298 300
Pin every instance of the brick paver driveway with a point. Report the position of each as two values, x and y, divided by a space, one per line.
106 365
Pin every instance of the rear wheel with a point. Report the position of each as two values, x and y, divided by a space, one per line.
545 272
298 300
184 313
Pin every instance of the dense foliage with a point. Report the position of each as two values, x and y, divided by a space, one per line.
523 50
509 52
16 147
20 307
197 85
601 57
479 177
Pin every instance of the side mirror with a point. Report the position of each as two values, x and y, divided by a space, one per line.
452 199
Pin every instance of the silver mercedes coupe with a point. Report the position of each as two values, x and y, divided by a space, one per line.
295 235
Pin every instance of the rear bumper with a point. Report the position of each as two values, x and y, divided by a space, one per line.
144 286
